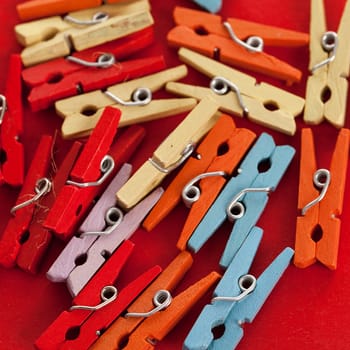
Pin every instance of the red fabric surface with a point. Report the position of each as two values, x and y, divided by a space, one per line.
309 308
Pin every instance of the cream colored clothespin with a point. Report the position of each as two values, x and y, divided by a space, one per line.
263 103
81 113
56 36
172 152
327 87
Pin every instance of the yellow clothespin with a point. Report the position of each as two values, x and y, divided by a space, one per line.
239 94
171 153
134 98
327 87
55 37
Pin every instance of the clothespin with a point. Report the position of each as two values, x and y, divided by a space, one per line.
237 298
98 304
92 167
214 159
95 221
96 246
11 127
209 35
133 98
56 36
321 195
170 154
245 196
239 94
210 5
156 298
35 186
327 87
153 329
89 70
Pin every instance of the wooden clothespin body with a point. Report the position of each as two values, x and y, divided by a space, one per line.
54 37
265 104
206 34
318 226
327 87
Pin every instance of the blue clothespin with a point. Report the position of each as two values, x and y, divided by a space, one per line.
210 5
237 298
245 196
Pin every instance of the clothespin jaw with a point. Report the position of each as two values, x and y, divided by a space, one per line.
321 195
55 37
124 326
95 222
15 230
216 313
210 5
220 150
155 328
135 101
239 94
245 196
11 127
176 148
327 86
206 34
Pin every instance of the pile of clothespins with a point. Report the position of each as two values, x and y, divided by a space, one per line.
94 201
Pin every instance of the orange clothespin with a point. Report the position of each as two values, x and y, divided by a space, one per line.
154 299
207 34
153 329
327 87
214 159
321 194
56 36
11 127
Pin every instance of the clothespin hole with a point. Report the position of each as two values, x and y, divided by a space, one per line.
326 94
246 282
55 78
219 86
222 149
89 111
162 297
49 34
264 165
108 292
200 30
24 237
271 106
113 215
72 333
100 16
152 341
236 211
142 95
329 40
317 233
123 342
218 331
80 259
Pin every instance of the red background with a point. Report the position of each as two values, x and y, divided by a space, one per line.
309 309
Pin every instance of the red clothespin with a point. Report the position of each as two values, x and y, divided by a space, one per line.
11 127
89 70
34 248
35 186
153 329
79 327
73 201
207 34
45 8
216 157
321 194
154 299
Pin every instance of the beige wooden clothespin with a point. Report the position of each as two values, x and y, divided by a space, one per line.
171 153
134 98
238 93
327 87
56 36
